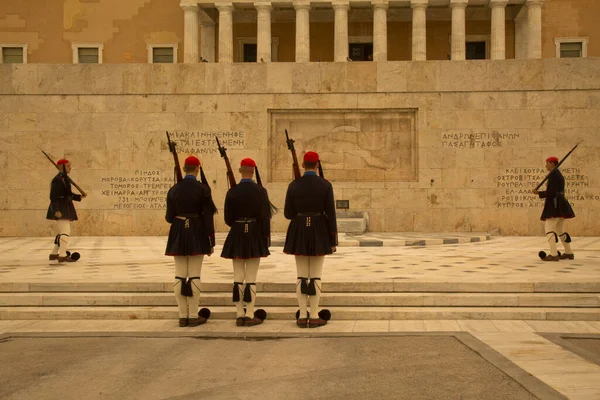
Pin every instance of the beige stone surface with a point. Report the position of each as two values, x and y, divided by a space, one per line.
395 137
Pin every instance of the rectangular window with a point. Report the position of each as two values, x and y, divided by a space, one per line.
250 51
475 50
162 55
13 55
571 47
571 50
360 51
88 55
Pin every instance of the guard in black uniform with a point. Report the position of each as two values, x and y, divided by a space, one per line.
556 210
190 211
62 210
248 213
311 235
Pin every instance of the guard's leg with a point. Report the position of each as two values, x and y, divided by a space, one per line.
181 268
238 292
64 230
314 287
302 287
565 238
194 271
252 265
551 235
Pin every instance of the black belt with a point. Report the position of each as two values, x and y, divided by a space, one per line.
309 214
245 220
187 216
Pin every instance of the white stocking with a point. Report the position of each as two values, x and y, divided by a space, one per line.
551 234
239 274
560 231
315 271
252 265
302 269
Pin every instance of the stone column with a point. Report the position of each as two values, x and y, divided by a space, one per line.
263 36
341 32
534 28
207 41
419 29
302 32
207 37
498 29
190 32
225 32
458 29
379 30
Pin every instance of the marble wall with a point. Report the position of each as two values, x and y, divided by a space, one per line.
480 133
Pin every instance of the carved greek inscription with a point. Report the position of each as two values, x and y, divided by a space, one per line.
204 142
138 190
516 186
477 140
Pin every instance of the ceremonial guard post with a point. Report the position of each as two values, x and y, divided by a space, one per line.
190 211
556 210
62 210
248 213
312 234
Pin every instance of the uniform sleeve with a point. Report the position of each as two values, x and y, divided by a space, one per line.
208 212
553 186
289 210
331 219
170 216
229 212
265 216
56 191
76 197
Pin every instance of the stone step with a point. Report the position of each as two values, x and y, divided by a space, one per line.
375 299
398 285
338 313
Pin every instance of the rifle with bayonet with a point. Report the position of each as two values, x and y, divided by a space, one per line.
295 165
223 152
178 176
557 165
84 194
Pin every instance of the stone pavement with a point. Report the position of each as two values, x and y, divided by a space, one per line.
501 266
425 366
501 260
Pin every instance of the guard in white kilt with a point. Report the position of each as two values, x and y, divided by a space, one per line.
248 213
311 235
190 211
556 210
62 210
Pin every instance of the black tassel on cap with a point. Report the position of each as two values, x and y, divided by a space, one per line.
203 177
258 180
321 170
205 182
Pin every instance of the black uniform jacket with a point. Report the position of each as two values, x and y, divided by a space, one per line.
310 206
190 211
61 198
556 204
249 237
